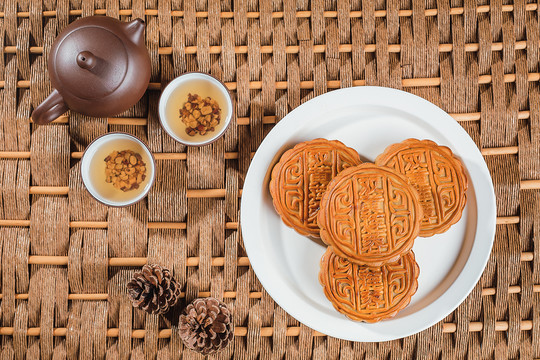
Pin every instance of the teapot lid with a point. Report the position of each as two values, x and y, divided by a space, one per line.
90 62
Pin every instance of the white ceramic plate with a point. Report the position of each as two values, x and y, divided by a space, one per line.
367 119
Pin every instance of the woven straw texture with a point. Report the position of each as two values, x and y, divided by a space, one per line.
65 259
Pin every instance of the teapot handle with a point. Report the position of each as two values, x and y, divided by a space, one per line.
51 108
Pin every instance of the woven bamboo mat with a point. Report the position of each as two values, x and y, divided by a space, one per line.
65 259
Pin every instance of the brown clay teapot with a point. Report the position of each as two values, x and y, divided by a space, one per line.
99 66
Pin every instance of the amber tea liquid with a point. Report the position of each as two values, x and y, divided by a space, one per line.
98 165
178 98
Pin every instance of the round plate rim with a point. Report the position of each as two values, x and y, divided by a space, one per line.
479 253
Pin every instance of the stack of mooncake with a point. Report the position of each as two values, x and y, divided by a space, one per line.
369 215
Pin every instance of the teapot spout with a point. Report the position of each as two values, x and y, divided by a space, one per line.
135 31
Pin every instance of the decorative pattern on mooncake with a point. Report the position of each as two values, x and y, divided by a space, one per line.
370 214
300 178
368 293
437 175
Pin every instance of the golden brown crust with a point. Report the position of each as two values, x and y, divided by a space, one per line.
370 214
368 293
438 176
300 177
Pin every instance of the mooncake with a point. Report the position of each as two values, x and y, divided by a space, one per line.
300 178
370 214
366 292
438 176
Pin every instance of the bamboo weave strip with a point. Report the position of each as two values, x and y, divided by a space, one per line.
265 331
336 84
268 49
501 220
140 261
279 14
228 155
213 193
190 193
252 295
473 116
192 261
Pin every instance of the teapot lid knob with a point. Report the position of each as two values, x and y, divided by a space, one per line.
86 60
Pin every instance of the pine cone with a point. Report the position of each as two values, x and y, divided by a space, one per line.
153 289
206 325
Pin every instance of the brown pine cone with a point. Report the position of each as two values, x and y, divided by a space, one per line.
206 325
153 289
